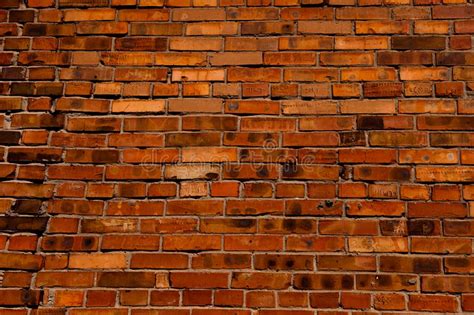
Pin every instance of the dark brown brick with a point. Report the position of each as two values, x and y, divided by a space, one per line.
418 42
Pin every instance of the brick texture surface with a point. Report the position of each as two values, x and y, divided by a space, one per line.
236 157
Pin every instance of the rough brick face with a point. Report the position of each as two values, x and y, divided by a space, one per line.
231 157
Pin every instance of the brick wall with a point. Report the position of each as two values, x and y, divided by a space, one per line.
232 157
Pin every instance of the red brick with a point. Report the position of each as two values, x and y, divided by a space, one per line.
389 301
15 297
434 303
63 279
125 242
228 297
306 13
467 302
199 280
164 298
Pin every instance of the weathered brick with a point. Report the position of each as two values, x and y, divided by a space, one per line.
88 15
395 27
212 28
311 75
159 261
43 29
422 106
431 27
386 282
306 43
367 106
198 75
9 137
192 243
445 123
28 190
252 14
267 28
356 43
97 261
464 27
382 90
20 297
18 261
463 73
340 59
323 282
261 280
306 13
198 14
250 43
129 243
141 44
378 244
400 139
44 58
435 303
126 279
324 27
404 58
24 155
150 124
423 74
156 29
196 44
447 12
417 42
109 28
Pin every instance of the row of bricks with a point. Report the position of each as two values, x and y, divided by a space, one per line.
231 12
357 230
185 311
245 28
270 75
259 156
256 242
444 11
251 299
256 124
244 172
257 280
257 189
316 21
322 108
357 242
229 155
254 106
253 162
306 17
204 242
196 90
340 59
240 44
234 298
233 207
275 225
269 153
225 189
194 311
422 264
